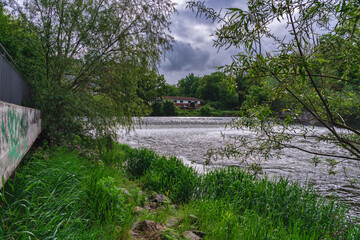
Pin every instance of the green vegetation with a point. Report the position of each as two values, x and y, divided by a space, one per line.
164 108
91 194
216 89
304 77
94 69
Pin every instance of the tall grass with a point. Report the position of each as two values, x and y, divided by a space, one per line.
257 208
59 195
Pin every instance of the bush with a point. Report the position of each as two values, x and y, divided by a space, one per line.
139 161
172 177
157 109
169 108
205 110
105 201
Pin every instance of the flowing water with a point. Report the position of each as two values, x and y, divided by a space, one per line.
190 138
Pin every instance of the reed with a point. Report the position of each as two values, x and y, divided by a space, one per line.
59 194
267 207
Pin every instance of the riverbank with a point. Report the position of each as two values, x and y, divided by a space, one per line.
108 193
190 138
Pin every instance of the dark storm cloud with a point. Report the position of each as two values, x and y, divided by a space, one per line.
193 51
185 57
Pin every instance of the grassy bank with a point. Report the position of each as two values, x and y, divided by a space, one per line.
67 194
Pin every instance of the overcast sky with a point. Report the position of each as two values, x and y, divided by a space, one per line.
193 50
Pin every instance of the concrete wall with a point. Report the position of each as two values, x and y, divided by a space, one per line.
19 127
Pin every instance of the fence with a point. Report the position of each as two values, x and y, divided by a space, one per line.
13 88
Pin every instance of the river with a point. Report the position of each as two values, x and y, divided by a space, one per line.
189 138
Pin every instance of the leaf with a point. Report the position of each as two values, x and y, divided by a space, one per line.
321 60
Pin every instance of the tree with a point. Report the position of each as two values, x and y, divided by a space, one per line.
209 86
188 85
22 44
169 108
171 90
303 73
96 55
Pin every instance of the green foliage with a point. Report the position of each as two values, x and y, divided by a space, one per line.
205 110
21 42
171 90
57 194
151 87
105 200
233 204
188 86
45 199
93 70
139 161
157 109
169 108
170 176
209 86
165 108
216 87
307 76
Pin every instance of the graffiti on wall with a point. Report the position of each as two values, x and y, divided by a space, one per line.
14 128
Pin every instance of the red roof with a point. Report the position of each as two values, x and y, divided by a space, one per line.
181 98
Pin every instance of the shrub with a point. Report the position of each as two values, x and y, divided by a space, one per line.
139 161
170 109
205 110
172 177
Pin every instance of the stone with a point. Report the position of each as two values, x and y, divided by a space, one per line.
125 191
161 198
152 204
190 235
147 207
138 209
172 221
149 227
199 233
146 229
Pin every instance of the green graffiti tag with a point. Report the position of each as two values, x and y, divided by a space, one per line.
14 129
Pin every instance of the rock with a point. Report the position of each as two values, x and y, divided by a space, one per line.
150 227
199 233
138 209
125 191
147 207
135 226
172 221
190 235
161 198
152 204
153 196
146 230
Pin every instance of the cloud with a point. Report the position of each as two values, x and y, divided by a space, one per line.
185 57
193 51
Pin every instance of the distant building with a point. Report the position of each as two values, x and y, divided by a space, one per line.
185 102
